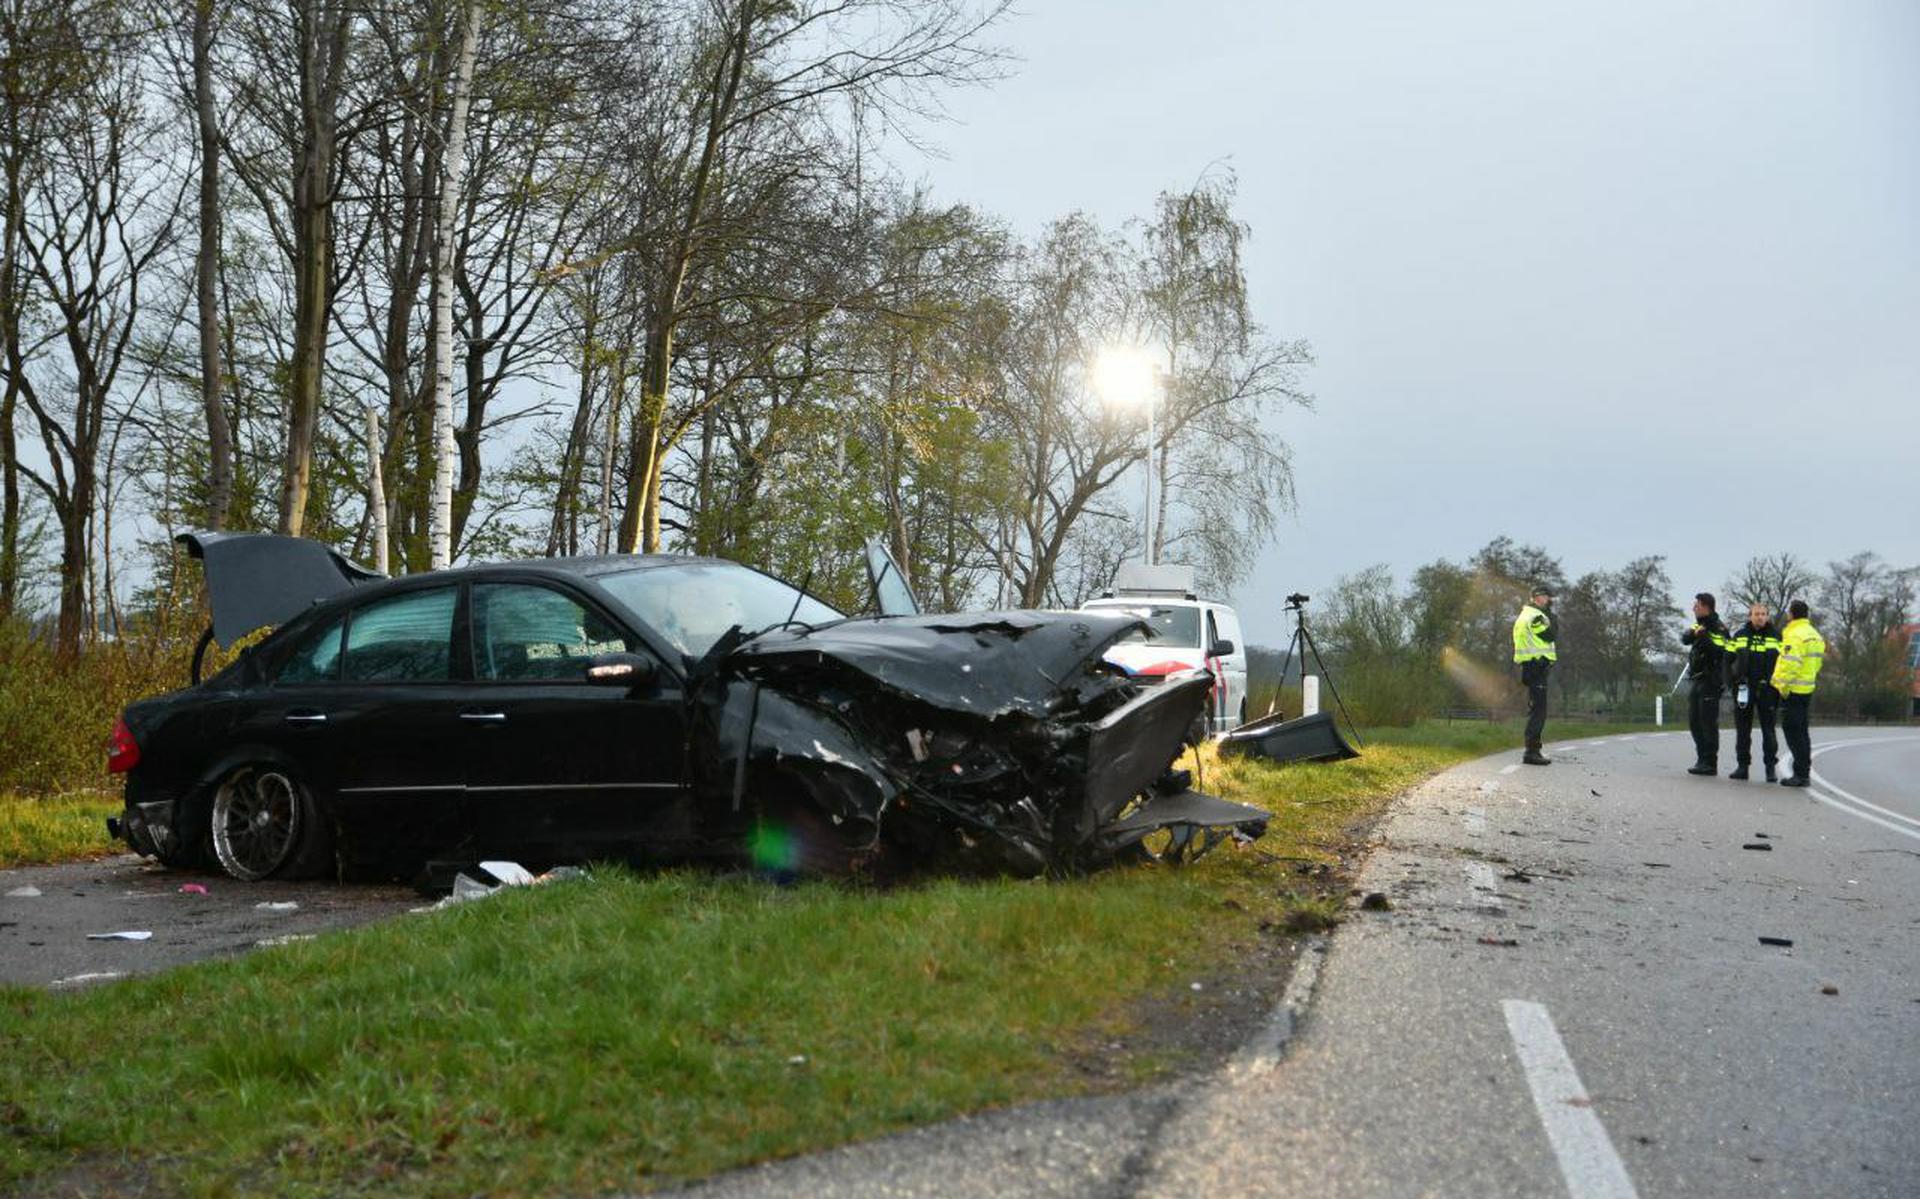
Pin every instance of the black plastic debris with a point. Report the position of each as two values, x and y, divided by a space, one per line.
1782 942
1760 845
1312 738
1376 901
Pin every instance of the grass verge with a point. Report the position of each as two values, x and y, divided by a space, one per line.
38 829
620 1033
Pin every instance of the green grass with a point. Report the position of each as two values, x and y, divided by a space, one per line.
592 1037
37 829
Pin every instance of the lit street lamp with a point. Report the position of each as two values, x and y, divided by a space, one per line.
1127 377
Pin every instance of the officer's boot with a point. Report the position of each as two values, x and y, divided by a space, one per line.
1773 776
1703 767
1533 757
1738 772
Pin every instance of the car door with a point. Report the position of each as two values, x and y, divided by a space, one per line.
562 767
397 723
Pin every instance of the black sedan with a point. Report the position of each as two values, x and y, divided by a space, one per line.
654 708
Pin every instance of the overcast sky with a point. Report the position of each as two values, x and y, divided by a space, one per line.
1616 279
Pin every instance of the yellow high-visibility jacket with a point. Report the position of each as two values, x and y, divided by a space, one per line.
1802 650
1528 644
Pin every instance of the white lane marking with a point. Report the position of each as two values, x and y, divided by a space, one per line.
1588 1162
1596 745
1816 776
1476 819
1509 768
1850 810
1486 889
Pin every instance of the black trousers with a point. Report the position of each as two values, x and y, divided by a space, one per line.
1534 675
1703 718
1793 726
1765 705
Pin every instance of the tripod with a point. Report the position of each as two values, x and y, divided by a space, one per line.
1303 642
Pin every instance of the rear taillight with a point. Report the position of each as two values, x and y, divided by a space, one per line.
123 753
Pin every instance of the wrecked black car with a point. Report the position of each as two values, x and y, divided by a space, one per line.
653 708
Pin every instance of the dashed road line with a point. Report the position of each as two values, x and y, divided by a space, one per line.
1509 768
1476 821
1588 1162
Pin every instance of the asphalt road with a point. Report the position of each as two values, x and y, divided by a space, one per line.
45 937
1570 996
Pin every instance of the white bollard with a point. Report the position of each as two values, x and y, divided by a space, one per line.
1309 695
1659 710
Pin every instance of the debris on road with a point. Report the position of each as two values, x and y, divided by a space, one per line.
283 939
284 905
1312 738
1764 836
509 874
1500 942
193 889
1659 865
24 893
1376 901
129 935
1517 876
97 976
1782 942
1829 989
1762 845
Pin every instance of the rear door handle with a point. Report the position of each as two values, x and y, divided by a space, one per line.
485 717
306 718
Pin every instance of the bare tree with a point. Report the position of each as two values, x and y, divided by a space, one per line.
97 216
1772 579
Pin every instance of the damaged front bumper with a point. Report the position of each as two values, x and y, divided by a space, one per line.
998 743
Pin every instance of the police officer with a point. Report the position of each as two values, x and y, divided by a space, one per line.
1706 644
1753 647
1533 650
1802 650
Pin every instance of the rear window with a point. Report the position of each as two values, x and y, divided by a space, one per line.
1174 625
406 639
315 657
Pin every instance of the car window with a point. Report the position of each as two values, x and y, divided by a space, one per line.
694 603
315 657
1173 625
1213 631
522 631
406 639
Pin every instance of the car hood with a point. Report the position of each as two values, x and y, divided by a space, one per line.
989 664
255 580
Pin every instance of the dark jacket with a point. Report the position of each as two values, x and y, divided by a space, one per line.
1707 649
1751 654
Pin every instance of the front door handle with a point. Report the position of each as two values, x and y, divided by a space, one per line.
306 718
485 717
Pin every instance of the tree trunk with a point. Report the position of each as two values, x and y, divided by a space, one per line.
440 530
322 38
206 267
376 489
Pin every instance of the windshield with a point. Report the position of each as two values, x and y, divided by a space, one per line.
692 605
1178 627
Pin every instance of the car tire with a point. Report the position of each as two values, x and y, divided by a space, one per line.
265 824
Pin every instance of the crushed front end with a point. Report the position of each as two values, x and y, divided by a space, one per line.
995 742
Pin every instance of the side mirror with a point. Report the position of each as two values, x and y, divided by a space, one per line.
1221 648
620 670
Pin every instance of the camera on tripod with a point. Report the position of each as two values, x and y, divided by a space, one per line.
1296 601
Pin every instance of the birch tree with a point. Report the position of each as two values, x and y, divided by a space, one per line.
452 179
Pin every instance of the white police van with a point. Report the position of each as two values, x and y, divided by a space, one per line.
1189 634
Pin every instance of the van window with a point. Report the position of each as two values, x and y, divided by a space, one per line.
1174 626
